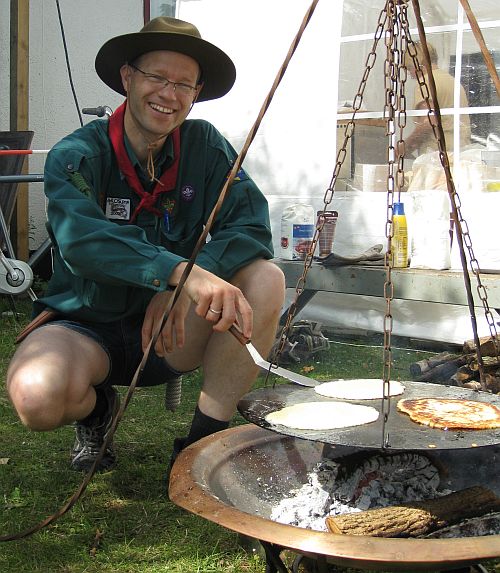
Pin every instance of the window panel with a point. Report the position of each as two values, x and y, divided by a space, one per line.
162 8
360 17
353 56
475 75
435 13
484 10
470 109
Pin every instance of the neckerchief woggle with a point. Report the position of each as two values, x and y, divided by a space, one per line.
163 185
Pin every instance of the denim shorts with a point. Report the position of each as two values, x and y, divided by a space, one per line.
121 340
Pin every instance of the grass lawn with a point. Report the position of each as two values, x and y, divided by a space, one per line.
125 522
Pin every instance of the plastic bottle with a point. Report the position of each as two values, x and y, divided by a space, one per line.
399 243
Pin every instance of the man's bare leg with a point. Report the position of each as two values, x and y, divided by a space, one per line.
53 380
228 370
51 377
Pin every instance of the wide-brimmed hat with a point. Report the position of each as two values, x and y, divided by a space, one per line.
163 33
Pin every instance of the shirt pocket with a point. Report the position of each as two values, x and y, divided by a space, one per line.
108 299
182 236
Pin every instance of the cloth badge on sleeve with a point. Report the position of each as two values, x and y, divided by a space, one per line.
118 208
240 176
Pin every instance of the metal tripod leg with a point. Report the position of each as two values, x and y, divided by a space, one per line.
274 564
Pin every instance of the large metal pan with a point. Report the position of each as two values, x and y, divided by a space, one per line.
235 477
404 434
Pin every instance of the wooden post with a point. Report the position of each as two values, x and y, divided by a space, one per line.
19 112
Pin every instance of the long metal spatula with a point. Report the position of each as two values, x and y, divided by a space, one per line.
265 365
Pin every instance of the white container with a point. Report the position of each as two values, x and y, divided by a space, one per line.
430 246
297 231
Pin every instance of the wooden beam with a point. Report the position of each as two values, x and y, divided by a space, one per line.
476 30
19 111
444 287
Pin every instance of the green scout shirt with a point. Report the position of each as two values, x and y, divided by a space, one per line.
105 268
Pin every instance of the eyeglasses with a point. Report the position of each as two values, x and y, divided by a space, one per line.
161 82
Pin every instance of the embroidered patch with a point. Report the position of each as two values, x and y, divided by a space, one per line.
117 208
240 176
79 181
168 205
187 193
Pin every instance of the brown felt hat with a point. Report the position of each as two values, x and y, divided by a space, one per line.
162 33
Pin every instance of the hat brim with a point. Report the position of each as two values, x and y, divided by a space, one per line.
219 72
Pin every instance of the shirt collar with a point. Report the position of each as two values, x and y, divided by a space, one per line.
166 153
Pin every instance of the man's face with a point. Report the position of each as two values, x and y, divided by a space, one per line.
156 108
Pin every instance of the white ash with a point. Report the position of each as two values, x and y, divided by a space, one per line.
379 481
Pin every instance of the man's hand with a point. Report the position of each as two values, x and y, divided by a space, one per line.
215 299
173 332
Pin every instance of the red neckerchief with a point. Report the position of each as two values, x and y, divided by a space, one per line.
167 180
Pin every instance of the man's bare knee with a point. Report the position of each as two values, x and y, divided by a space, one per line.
263 277
50 378
37 408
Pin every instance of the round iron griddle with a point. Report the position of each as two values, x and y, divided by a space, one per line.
235 477
404 434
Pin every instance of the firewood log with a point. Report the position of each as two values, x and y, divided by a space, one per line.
486 346
422 366
489 363
492 383
462 375
417 518
472 385
442 372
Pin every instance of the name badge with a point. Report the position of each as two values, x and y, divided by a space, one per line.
117 208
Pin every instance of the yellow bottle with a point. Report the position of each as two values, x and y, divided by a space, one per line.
399 243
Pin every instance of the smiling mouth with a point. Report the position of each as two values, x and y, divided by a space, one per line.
161 109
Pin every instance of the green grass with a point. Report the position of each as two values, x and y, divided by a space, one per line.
125 522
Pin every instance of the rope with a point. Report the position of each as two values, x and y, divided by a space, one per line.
201 241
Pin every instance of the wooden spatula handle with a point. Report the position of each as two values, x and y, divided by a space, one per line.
236 332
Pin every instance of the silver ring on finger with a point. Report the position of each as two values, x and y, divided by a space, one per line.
215 311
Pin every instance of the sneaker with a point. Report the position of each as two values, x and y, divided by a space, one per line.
91 436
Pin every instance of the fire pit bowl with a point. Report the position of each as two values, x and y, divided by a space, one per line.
235 477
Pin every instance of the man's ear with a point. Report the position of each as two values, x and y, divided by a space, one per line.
125 72
199 87
198 90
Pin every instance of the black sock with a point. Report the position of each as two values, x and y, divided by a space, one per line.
100 408
203 425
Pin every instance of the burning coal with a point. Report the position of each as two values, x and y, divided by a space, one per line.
342 487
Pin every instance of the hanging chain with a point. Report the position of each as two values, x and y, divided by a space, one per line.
328 196
462 229
390 107
481 289
399 47
395 76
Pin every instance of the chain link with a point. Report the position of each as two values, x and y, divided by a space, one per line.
391 76
329 193
394 26
461 226
396 118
